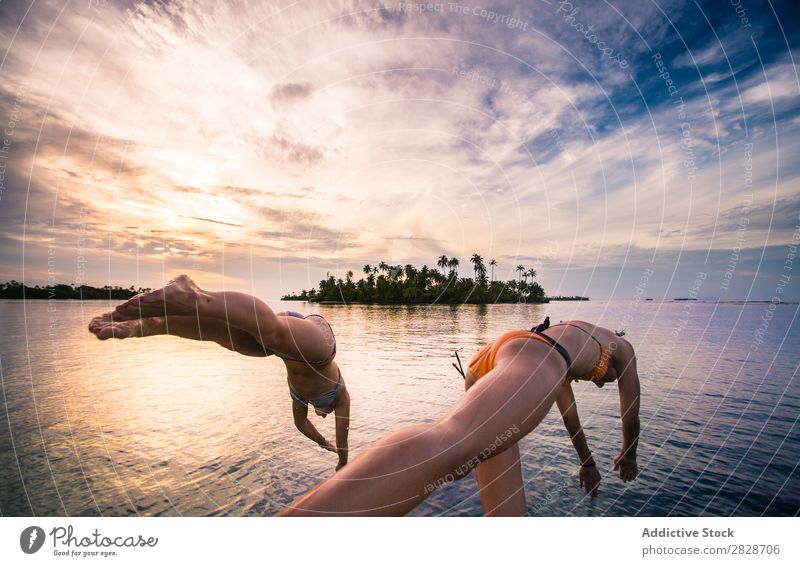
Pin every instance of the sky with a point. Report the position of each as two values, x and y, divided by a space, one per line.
620 148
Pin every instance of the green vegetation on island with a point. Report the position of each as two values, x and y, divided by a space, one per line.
61 291
397 284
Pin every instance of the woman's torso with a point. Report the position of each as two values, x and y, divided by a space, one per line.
311 381
581 339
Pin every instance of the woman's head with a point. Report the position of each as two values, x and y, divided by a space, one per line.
609 377
325 411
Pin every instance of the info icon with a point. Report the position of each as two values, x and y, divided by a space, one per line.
31 539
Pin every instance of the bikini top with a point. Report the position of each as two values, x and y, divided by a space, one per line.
601 367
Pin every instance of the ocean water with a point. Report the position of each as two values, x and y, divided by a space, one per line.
166 426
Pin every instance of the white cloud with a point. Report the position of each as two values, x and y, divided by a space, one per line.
343 133
780 83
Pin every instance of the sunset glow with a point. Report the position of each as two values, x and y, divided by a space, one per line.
263 145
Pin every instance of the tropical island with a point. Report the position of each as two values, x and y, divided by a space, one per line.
61 291
387 284
383 284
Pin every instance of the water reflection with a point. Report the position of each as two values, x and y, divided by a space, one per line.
164 426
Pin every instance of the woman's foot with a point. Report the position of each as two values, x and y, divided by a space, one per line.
179 297
107 326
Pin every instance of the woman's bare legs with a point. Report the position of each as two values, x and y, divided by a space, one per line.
182 297
292 336
398 472
500 484
500 479
106 326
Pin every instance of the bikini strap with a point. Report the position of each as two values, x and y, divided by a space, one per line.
556 346
579 328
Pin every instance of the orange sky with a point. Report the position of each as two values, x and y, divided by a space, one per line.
263 145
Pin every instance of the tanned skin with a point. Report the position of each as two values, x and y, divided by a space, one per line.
244 324
396 473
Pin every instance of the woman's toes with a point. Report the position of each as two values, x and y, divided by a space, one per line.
99 322
128 309
103 333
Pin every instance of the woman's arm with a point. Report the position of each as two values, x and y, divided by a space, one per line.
342 414
569 413
300 414
588 473
629 398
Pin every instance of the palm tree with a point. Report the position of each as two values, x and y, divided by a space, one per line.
367 269
383 266
424 276
532 273
493 263
453 264
477 263
443 263
481 275
521 269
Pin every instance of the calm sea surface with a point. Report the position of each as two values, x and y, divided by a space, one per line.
165 426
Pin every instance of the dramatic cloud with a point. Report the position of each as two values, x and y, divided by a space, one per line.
264 144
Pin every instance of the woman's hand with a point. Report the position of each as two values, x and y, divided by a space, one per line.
590 479
328 445
627 467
